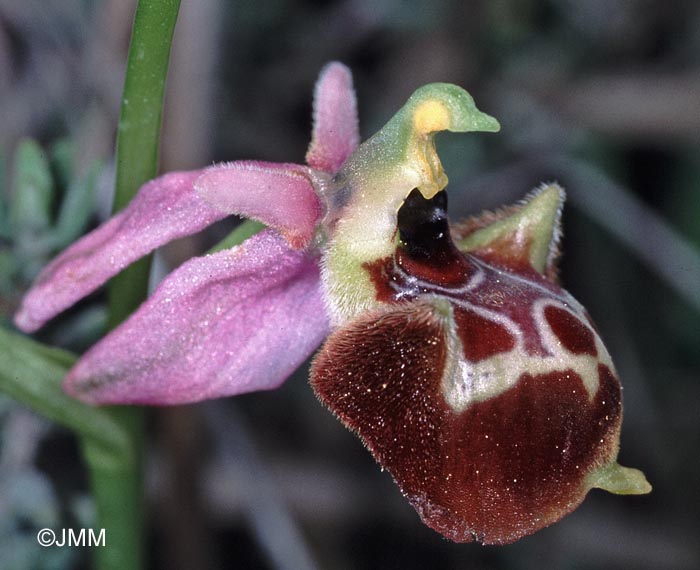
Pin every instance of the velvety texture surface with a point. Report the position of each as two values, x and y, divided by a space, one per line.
235 321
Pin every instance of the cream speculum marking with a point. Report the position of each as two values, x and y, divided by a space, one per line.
503 304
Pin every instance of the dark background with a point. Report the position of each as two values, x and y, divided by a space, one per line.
600 95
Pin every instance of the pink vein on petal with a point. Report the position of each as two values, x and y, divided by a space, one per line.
279 195
163 210
236 321
335 131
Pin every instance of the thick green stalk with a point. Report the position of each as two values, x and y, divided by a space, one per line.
117 481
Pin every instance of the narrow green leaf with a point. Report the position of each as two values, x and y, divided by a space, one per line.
8 271
5 232
61 157
76 207
32 192
32 373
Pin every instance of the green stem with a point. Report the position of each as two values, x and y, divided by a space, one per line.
238 235
117 480
117 488
138 133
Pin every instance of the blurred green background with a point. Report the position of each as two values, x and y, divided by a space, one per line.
600 95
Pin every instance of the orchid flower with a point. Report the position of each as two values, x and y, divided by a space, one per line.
480 384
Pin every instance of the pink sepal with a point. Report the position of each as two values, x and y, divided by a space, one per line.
236 321
164 209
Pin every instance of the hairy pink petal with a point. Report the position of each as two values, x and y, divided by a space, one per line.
235 321
279 195
164 209
336 131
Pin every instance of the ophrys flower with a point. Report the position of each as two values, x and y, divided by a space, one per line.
469 373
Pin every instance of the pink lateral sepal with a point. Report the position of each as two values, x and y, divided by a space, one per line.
279 195
164 209
335 125
235 321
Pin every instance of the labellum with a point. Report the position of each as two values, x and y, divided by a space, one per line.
480 384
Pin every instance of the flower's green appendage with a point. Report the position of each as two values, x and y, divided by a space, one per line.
528 235
362 200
